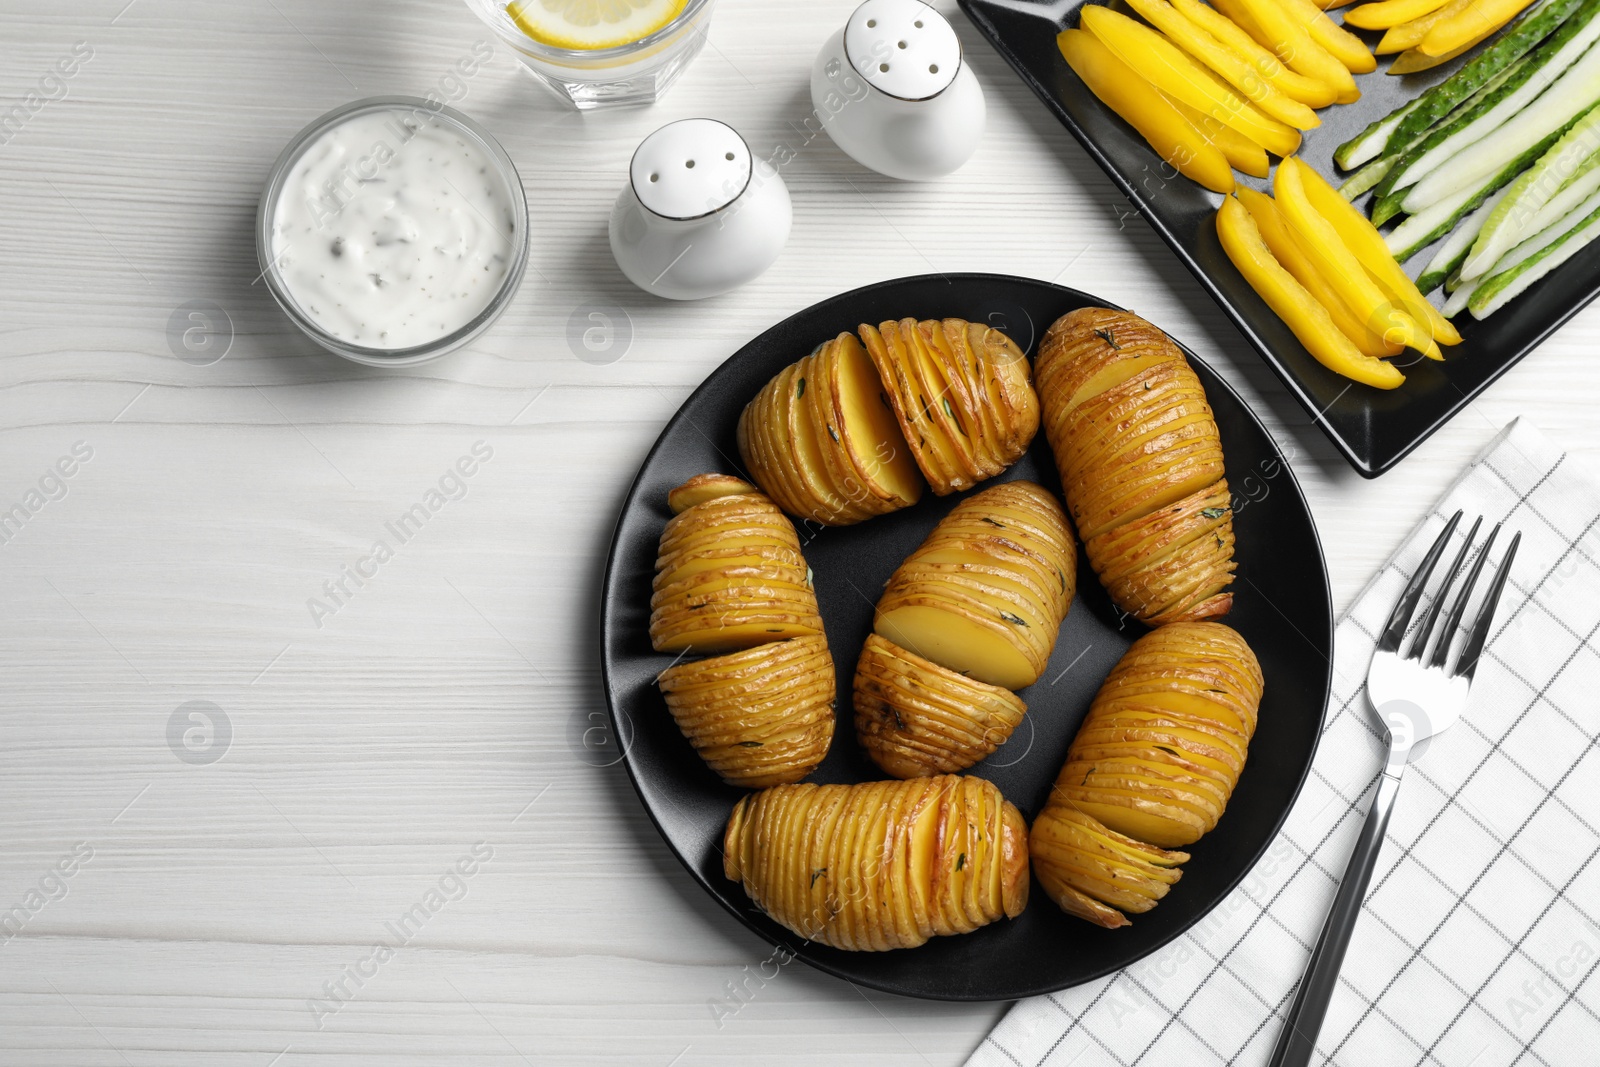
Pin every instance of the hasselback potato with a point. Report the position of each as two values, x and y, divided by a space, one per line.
986 592
916 718
1092 872
880 865
821 439
1161 749
1141 464
962 393
729 575
703 487
758 717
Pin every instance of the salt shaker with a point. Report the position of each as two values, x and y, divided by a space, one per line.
893 92
700 215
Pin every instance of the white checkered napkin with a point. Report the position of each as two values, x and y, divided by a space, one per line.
1480 937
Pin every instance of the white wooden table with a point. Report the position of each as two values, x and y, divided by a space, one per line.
439 711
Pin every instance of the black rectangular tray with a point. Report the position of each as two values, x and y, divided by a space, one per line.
1374 429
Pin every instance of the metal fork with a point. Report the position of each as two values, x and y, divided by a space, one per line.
1415 696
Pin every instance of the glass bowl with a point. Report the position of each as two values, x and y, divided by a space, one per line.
268 257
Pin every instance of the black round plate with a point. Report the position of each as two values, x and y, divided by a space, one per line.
1281 606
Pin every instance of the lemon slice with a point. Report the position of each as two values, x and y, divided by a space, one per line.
586 24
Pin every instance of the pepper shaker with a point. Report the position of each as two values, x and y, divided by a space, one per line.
700 215
892 90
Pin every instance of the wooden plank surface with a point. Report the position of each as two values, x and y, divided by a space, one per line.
440 710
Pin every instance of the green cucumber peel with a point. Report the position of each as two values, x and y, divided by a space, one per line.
1427 283
1386 200
1409 123
1366 177
1536 218
1500 289
1534 27
1373 141
1386 207
1505 84
1516 123
1513 219
1454 251
1455 205
1528 248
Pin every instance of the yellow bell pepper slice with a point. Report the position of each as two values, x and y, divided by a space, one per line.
1226 65
1362 238
1340 266
1290 301
1411 60
1394 312
1293 84
1287 250
1339 42
1408 35
1174 138
1168 69
1387 14
1329 5
1449 34
1241 152
1273 26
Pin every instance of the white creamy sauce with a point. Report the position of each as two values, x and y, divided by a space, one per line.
393 229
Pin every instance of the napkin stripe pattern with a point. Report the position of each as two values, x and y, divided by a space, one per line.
1480 937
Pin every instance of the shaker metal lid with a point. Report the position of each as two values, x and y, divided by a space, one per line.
902 47
690 168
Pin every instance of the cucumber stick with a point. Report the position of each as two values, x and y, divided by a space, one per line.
1420 230
1453 252
1366 177
1514 89
1547 223
1513 219
1568 97
1439 101
1539 241
1500 289
1575 192
1408 124
1457 302
1507 82
1373 141
1432 222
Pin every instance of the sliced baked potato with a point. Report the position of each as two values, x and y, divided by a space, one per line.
703 487
880 865
759 717
1141 464
916 718
1161 749
985 594
962 393
822 441
1096 873
729 575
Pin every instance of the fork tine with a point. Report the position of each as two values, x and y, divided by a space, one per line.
1452 626
1419 646
1467 663
1394 631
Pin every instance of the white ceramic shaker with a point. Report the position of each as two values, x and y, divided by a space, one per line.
700 215
893 92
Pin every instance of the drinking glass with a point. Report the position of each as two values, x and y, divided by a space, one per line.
627 75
